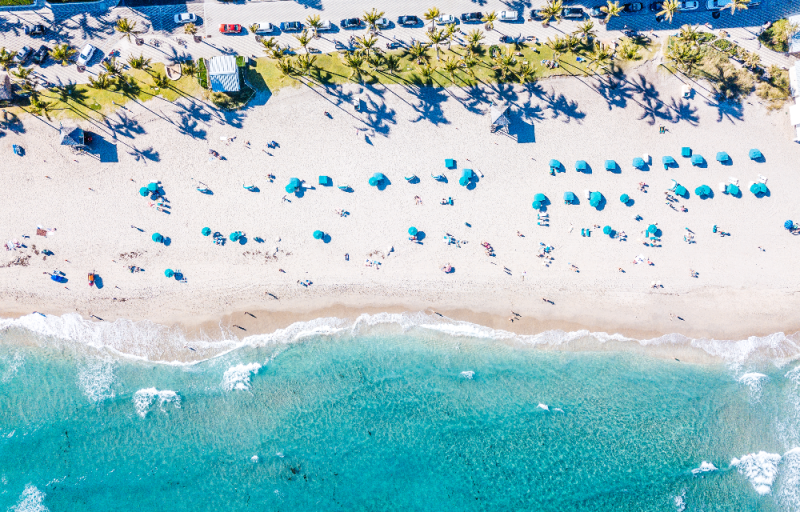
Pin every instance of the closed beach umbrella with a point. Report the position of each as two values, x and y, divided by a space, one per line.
638 162
755 154
206 231
234 236
580 165
606 230
680 190
652 228
595 198
722 156
788 224
412 231
569 197
157 237
169 272
611 165
318 234
732 189
143 191
667 160
697 160
624 198
555 164
152 187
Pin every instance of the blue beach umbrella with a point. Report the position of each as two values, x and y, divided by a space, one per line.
537 205
152 187
680 190
449 163
732 189
611 165
686 152
234 236
697 160
638 162
143 191
580 165
722 157
755 154
606 230
318 234
569 197
555 164
667 160
540 198
412 231
788 224
157 238
169 272
624 198
652 228
206 231
595 198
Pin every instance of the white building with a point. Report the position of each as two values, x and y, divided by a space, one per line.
223 74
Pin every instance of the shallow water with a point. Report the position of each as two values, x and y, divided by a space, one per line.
382 418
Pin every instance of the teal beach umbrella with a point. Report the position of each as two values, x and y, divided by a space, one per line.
412 231
143 191
169 272
206 231
624 198
595 198
234 236
638 162
157 238
318 234
606 230
652 228
152 187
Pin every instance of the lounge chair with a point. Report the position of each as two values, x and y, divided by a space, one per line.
762 179
733 181
586 194
722 187
410 178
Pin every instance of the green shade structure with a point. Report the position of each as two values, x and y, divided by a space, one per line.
449 163
638 162
540 198
652 228
412 231
680 190
580 165
234 236
569 197
325 181
611 165
732 189
702 191
319 235
624 198
595 198
755 154
606 230
157 238
152 187
206 231
667 160
722 157
169 272
686 152
697 160
537 205
143 191
555 164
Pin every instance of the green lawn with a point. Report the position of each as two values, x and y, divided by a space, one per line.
5 3
776 37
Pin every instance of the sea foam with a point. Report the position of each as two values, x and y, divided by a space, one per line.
705 467
31 500
760 469
144 399
238 377
95 377
11 366
755 381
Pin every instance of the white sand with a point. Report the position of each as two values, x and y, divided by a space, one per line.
740 290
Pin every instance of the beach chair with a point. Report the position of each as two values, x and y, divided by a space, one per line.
17 150
733 181
762 179
722 187
344 187
413 177
673 186
586 194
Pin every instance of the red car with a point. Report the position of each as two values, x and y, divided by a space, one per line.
230 29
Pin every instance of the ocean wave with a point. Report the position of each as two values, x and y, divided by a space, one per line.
705 467
31 500
153 342
760 469
144 399
789 480
95 377
238 377
755 382
680 502
467 374
11 366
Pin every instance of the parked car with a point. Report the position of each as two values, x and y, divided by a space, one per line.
351 23
445 19
41 55
687 5
632 8
229 29
715 5
291 26
185 17
86 55
35 30
392 45
536 15
408 21
382 23
22 55
573 13
508 16
324 26
471 17
506 39
264 28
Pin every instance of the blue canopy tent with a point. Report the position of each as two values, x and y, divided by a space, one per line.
319 235
697 160
686 152
555 165
569 198
325 181
293 185
638 162
466 177
607 230
667 161
449 163
412 231
732 189
624 198
143 191
206 231
611 165
157 238
169 272
580 165
755 154
595 198
722 157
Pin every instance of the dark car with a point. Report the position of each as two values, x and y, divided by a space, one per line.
408 21
291 26
351 23
36 30
574 13
471 17
536 14
632 8
41 55
22 55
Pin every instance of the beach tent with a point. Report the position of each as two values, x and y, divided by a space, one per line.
157 238
555 165
667 161
624 198
499 115
319 235
788 224
449 163
732 189
722 157
569 197
755 154
686 152
611 165
293 185
206 231
580 165
652 228
412 231
595 198
680 190
5 87
223 74
638 162
71 135
697 160
169 272
606 230
325 181
143 191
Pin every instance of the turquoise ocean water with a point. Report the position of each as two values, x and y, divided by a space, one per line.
389 415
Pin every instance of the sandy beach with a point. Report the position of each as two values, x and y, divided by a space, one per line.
746 284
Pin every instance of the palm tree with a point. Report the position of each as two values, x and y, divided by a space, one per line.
366 44
190 29
669 9
427 72
39 107
160 81
449 33
67 91
354 61
315 22
112 67
269 45
372 17
102 82
683 55
392 63
571 43
559 45
127 27
552 11
254 28
24 77
468 62
688 34
602 57
278 53
436 38
431 15
128 86
7 58
306 63
303 39
752 60
586 30
418 52
140 62
611 9
285 67
525 73
450 66
488 20
62 53
503 63
738 4
474 38
188 68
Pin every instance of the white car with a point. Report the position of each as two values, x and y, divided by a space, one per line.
688 5
508 16
86 55
382 23
264 28
324 26
445 19
185 17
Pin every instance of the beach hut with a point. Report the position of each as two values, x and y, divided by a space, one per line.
697 160
595 198
607 230
722 157
732 189
169 272
624 198
755 154
293 185
206 231
611 165
449 163
223 74
686 152
319 235
157 238
555 165
71 135
638 162
569 198
580 166
5 87
498 113
667 161
325 181
143 192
